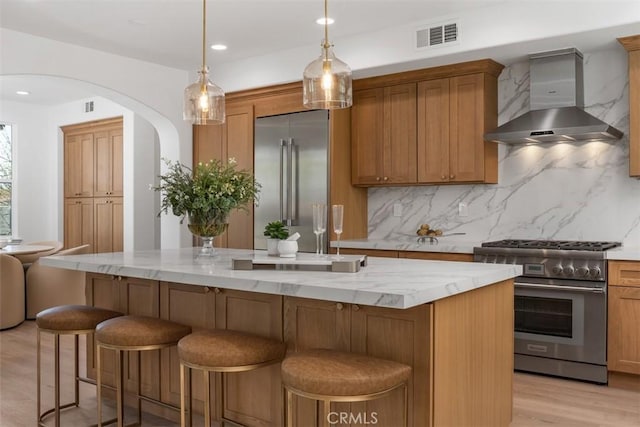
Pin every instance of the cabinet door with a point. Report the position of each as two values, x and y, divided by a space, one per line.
232 139
188 305
312 324
78 165
624 329
108 163
367 137
78 222
254 397
433 131
466 152
438 256
399 155
239 145
402 336
108 224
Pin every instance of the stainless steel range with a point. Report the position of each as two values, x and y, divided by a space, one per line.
560 305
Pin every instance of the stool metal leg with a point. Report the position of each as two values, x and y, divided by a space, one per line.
406 404
139 396
183 403
289 414
326 405
119 388
76 369
207 400
99 383
38 375
56 370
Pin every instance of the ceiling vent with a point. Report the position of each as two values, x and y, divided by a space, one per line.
437 35
88 107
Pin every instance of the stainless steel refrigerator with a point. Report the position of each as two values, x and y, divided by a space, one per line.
291 164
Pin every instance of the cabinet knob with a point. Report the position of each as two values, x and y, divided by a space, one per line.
443 177
386 178
356 307
217 290
339 306
452 176
377 178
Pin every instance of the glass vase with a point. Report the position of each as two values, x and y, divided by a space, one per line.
207 228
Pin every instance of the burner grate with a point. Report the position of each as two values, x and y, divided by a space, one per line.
568 245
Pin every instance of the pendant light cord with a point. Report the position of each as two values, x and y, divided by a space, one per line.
204 32
326 26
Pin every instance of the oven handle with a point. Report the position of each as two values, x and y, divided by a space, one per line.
559 288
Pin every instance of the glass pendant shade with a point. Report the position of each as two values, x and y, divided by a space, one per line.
204 101
327 82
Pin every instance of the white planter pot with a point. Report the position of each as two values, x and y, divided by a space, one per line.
272 247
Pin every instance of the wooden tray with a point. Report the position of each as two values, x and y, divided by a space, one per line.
302 261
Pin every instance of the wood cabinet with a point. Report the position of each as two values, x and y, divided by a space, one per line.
93 185
236 136
623 344
445 111
78 222
453 115
384 135
632 45
233 139
108 224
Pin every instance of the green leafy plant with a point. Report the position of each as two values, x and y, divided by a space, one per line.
208 193
276 230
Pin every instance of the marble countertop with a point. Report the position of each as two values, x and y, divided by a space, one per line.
624 253
452 244
384 282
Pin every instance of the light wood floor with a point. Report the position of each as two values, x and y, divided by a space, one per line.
538 400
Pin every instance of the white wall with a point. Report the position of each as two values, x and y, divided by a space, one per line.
152 91
555 191
35 216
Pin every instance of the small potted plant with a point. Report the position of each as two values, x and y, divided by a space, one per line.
274 232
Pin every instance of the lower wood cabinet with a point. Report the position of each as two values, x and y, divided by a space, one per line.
623 343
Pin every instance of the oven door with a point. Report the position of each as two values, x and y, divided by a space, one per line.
561 319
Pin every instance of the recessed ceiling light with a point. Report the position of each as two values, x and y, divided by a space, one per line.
320 21
137 22
219 47
22 92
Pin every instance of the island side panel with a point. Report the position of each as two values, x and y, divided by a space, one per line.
473 357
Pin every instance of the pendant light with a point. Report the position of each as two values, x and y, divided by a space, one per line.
203 100
326 81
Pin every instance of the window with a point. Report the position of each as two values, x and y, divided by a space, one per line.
6 180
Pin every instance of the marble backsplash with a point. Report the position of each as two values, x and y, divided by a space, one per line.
579 191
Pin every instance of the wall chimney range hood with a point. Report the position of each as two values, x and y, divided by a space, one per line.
557 102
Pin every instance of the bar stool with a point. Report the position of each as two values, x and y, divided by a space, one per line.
222 350
133 333
73 320
332 376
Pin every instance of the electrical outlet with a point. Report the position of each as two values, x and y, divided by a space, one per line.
397 209
463 210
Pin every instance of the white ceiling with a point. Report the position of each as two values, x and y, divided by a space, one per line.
168 32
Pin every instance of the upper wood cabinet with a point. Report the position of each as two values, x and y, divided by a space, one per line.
108 163
427 130
78 165
93 159
384 135
632 45
452 118
233 139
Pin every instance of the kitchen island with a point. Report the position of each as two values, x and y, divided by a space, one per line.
452 322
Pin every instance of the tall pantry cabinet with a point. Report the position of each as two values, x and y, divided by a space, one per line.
93 185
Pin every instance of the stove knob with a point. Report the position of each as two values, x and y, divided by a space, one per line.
569 270
582 271
557 269
595 272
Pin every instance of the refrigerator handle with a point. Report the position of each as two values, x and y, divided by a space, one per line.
289 182
293 183
282 209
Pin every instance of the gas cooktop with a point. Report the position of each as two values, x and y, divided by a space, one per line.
567 245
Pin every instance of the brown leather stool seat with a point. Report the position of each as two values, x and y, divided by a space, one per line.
222 351
73 320
133 333
328 375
